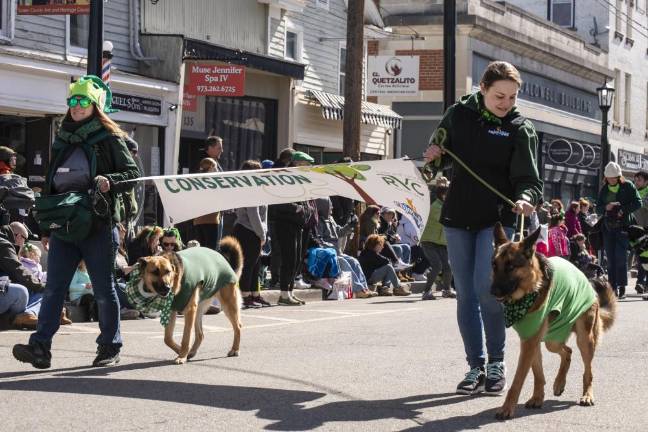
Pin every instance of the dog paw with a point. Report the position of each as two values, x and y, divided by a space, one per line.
180 360
586 400
558 388
505 412
233 354
535 402
191 355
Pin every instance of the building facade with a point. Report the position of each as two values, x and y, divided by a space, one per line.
561 71
41 54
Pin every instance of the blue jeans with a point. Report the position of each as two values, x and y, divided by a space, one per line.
403 251
14 300
478 313
349 264
386 275
616 251
62 262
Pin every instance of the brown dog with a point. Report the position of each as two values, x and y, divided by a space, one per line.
560 301
194 277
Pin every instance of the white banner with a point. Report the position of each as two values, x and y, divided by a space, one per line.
393 183
392 75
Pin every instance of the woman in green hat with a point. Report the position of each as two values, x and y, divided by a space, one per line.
88 156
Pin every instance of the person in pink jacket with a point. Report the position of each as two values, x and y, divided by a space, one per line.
558 241
571 220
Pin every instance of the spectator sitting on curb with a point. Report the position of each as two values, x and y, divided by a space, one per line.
378 268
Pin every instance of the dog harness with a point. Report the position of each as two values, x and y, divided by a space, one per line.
569 296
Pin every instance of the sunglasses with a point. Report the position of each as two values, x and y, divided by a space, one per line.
76 100
165 244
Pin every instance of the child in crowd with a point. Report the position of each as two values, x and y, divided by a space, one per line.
30 258
558 241
81 293
581 257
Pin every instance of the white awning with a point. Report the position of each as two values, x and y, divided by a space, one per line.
375 114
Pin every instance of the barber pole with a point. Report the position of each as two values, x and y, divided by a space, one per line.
106 59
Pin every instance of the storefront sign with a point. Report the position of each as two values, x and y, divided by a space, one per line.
392 75
632 161
53 7
136 104
549 92
578 153
216 80
559 151
589 156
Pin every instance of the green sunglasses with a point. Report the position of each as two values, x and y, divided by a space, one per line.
79 100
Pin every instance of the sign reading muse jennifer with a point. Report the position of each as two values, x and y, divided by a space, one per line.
392 75
393 183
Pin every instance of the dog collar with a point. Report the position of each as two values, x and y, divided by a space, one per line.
515 311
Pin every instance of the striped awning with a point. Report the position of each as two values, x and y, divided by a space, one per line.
375 114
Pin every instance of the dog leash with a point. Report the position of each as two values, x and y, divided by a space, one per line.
506 199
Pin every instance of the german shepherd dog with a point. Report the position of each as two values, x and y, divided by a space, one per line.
164 274
518 271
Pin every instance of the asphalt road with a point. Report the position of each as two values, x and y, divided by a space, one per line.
383 364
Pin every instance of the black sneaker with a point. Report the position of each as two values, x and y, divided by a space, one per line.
38 356
639 288
106 356
473 382
495 379
622 293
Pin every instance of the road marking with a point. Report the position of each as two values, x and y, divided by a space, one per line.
270 318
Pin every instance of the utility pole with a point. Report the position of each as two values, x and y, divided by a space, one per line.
95 38
449 48
353 80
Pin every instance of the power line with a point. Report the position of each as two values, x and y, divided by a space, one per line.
627 20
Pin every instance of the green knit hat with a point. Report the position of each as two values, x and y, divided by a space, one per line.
92 87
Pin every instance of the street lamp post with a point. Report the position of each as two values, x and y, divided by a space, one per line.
605 97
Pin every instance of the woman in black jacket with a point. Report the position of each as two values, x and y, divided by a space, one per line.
490 135
617 200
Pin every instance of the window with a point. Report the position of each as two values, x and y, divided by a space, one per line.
322 4
6 20
628 96
78 33
342 69
294 43
617 13
629 17
562 12
616 117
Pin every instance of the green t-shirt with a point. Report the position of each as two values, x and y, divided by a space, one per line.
643 192
570 295
202 265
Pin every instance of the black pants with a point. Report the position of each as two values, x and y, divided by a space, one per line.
208 235
290 244
420 261
251 245
275 253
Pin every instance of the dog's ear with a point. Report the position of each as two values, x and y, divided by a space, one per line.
499 234
528 244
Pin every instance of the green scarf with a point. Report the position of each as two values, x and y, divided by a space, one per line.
614 189
515 311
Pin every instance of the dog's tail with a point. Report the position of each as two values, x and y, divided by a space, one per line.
607 301
230 248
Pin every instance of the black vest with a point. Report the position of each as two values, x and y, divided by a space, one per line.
487 149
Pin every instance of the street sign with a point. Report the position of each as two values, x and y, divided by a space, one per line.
53 7
215 79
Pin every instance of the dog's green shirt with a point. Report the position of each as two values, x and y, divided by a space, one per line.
570 295
202 265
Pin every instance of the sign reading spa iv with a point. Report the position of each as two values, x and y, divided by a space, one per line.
392 75
206 79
